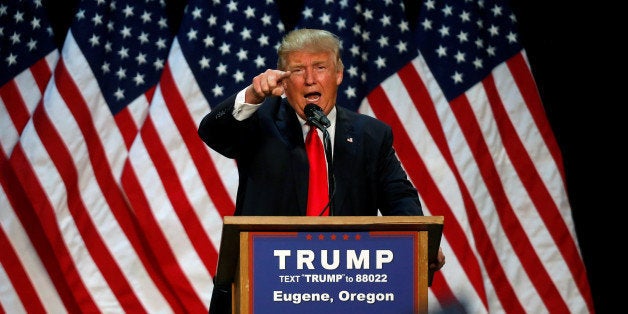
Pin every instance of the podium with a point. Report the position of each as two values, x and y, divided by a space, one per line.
297 264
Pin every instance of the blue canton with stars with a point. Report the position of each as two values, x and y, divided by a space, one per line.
25 37
126 44
462 41
376 37
227 44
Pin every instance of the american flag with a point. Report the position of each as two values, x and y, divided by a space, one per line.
71 153
178 187
471 132
116 205
27 58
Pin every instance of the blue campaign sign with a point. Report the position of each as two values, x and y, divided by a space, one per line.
334 272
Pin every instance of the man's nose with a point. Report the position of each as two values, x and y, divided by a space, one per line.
309 77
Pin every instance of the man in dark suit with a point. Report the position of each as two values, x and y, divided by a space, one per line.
263 128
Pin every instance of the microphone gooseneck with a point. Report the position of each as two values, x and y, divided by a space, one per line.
330 173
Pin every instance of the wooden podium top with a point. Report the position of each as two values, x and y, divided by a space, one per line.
233 225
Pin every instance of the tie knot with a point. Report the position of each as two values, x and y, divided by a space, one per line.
312 132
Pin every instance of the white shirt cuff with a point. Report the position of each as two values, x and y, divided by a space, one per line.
241 109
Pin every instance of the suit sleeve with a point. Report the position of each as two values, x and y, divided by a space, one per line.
222 132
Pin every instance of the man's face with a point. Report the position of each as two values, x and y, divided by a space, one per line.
314 79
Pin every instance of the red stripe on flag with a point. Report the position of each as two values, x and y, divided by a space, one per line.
547 207
178 282
43 230
63 161
411 160
523 78
41 73
514 230
174 189
20 281
531 180
540 196
16 107
125 216
202 160
127 126
448 300
20 114
454 232
461 108
125 122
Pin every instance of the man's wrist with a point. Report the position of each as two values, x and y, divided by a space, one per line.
250 97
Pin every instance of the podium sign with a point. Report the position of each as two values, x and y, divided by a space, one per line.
334 272
339 264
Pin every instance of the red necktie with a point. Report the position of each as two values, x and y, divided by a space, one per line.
318 193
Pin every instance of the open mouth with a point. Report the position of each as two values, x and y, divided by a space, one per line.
312 97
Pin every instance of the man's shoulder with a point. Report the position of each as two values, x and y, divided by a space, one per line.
360 118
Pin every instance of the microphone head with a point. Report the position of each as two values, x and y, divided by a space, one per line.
316 116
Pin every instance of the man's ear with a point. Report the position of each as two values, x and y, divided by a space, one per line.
339 76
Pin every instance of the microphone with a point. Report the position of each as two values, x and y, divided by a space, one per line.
315 116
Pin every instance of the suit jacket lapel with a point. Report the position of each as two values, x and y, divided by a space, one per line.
345 150
290 129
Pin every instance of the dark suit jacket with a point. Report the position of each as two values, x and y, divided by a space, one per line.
273 166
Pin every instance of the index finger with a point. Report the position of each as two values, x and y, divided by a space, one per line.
283 75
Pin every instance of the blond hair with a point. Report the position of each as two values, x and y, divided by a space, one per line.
310 40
